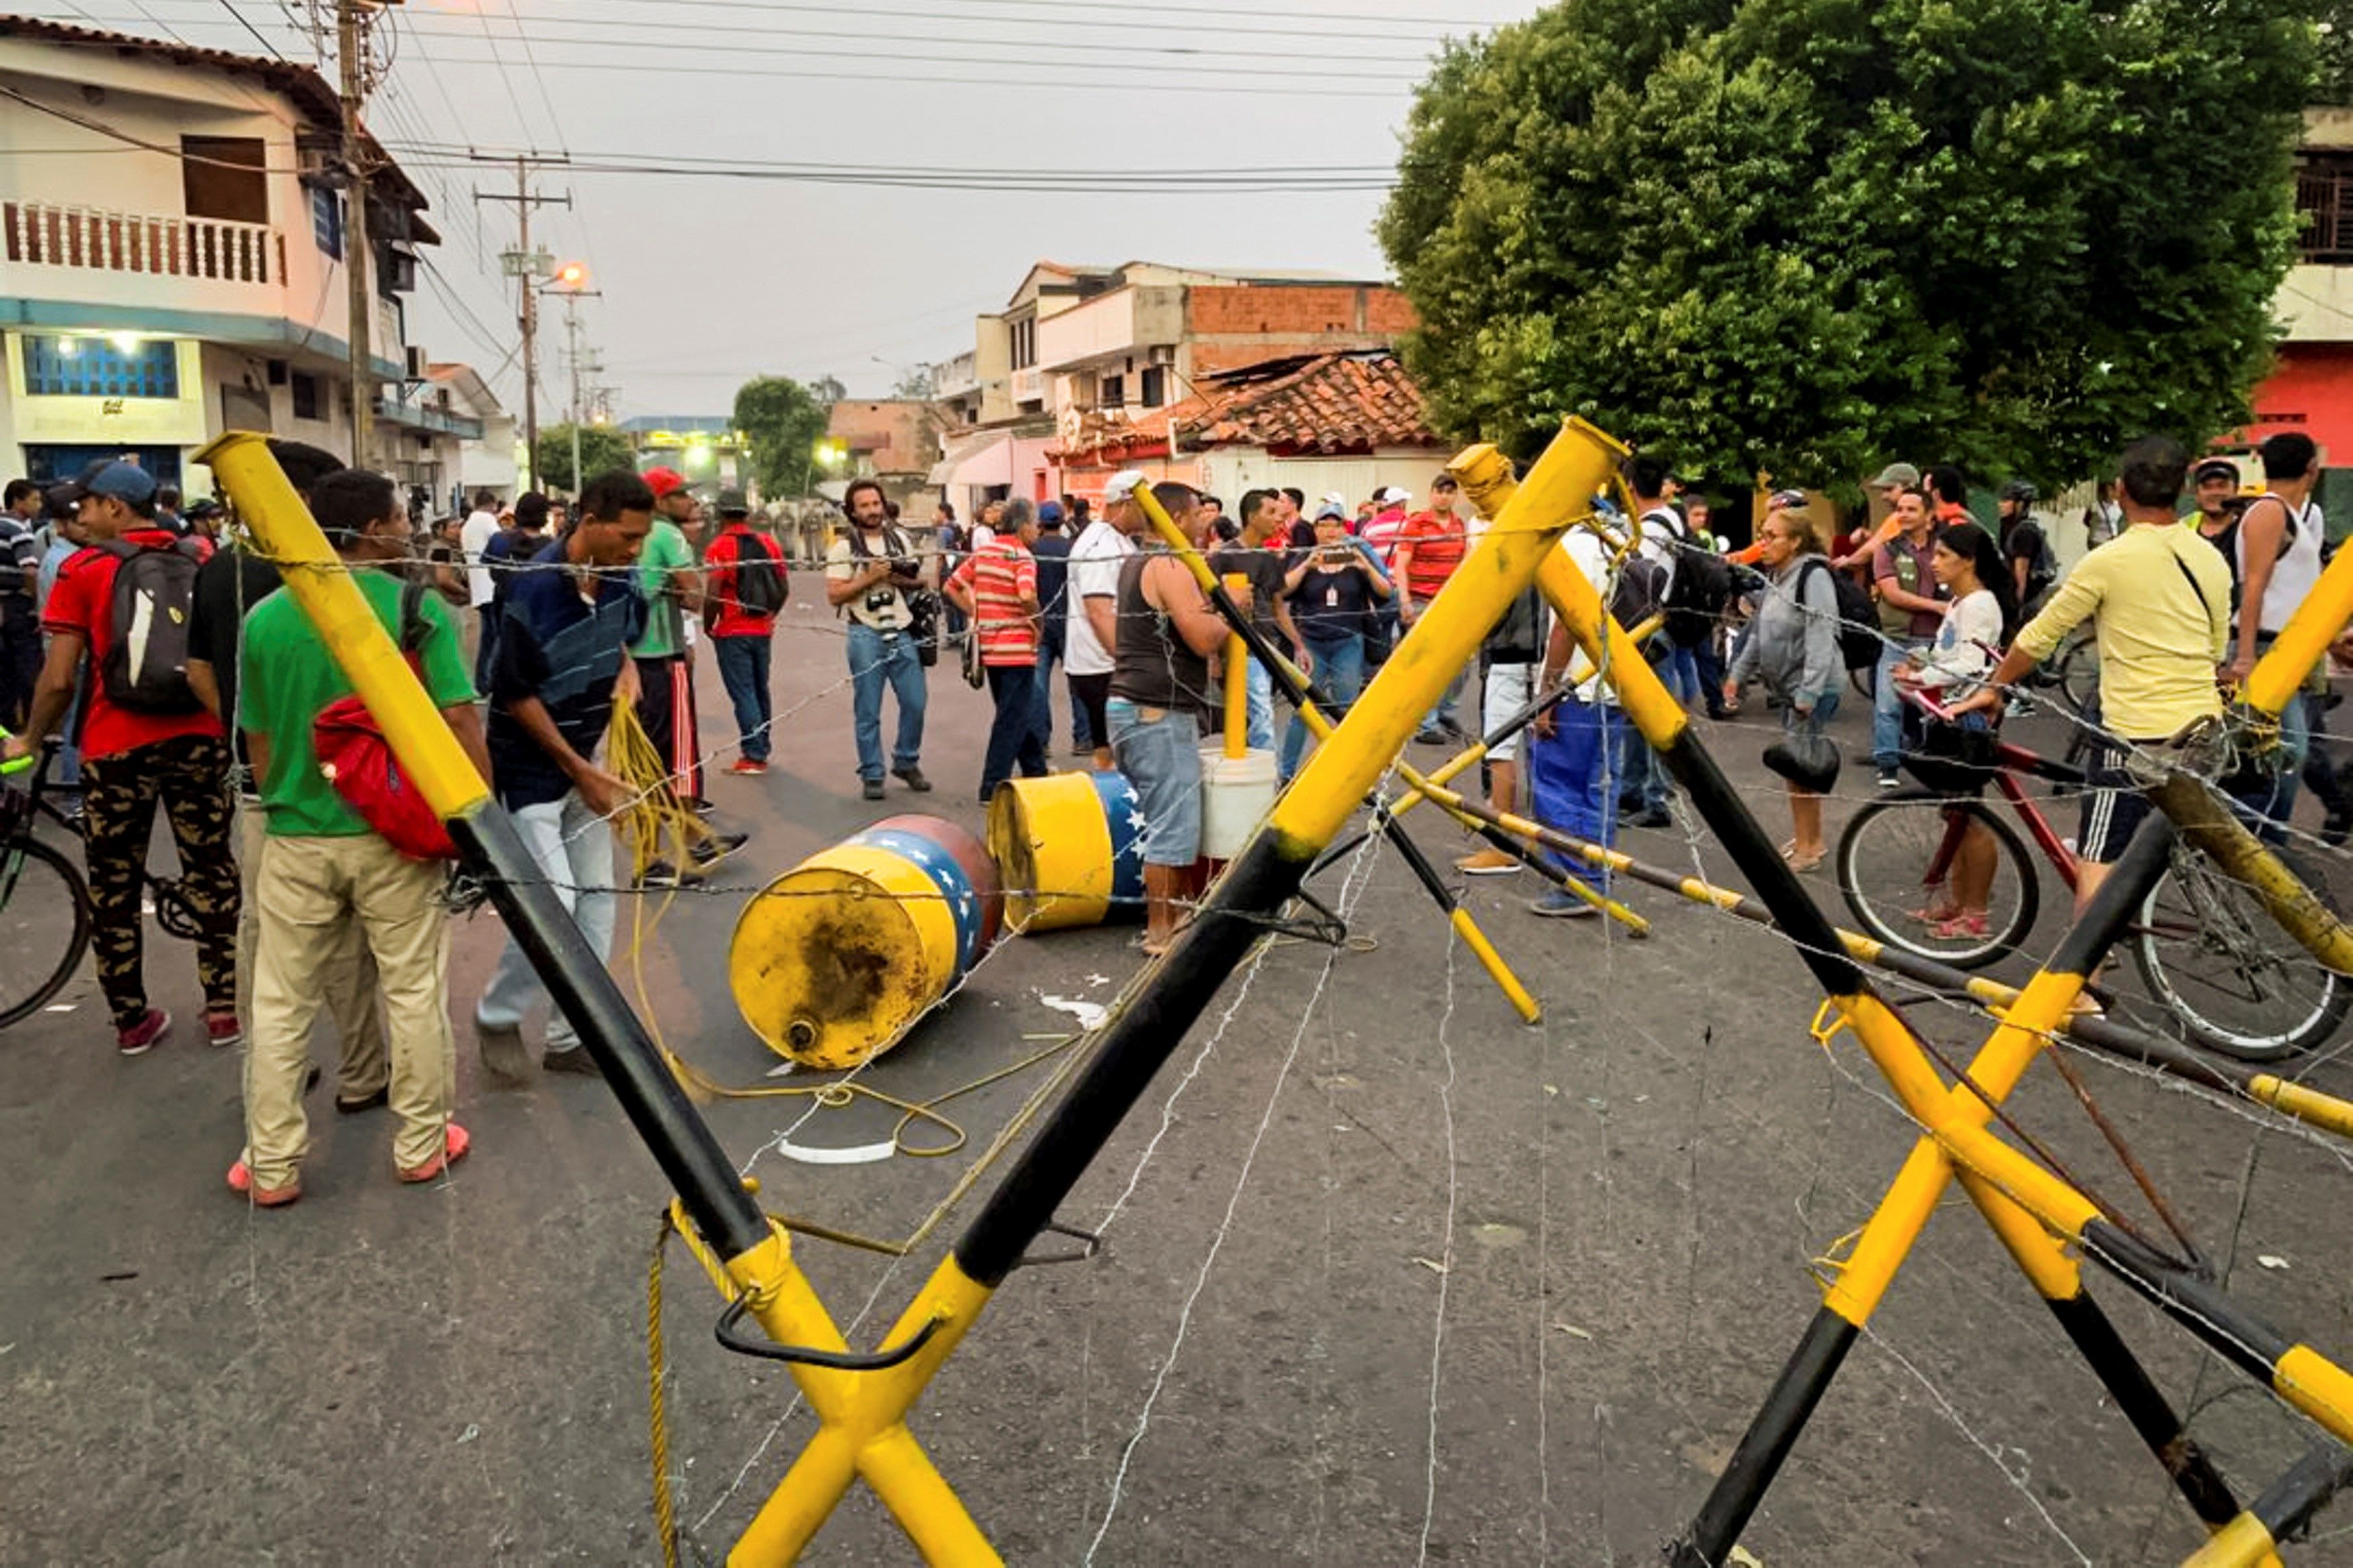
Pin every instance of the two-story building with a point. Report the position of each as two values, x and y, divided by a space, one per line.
2311 388
484 460
172 236
1085 358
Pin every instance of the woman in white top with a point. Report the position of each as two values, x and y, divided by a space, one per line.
1978 624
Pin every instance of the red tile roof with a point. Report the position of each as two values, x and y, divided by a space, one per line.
1325 404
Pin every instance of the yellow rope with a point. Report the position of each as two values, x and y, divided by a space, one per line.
665 1509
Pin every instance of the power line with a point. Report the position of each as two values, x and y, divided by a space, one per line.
1157 51
1320 25
1060 83
1315 71
230 6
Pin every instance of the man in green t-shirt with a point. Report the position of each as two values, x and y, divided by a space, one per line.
671 580
323 867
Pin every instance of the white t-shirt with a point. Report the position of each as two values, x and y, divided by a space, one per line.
1585 547
2295 573
1957 655
474 537
1094 575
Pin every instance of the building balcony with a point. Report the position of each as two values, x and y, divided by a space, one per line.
414 416
74 252
1028 385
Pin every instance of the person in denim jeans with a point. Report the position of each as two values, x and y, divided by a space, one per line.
1911 608
1334 590
869 572
1159 688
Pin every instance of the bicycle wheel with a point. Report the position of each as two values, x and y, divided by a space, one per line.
44 926
1894 857
2211 954
2079 674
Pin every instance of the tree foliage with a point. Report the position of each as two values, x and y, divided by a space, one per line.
602 450
1803 237
783 421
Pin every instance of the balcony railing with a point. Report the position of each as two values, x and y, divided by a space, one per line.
42 234
2324 199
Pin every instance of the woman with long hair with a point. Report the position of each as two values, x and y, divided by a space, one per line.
1978 621
1793 644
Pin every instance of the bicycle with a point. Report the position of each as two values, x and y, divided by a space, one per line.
2204 945
45 909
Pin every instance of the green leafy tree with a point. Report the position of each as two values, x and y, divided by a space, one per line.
1802 236
783 422
602 450
2335 84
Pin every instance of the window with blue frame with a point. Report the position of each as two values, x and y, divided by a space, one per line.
68 366
327 221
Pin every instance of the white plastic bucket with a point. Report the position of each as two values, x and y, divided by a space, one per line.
1236 793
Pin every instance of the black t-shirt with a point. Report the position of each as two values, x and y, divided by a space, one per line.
1053 553
1332 603
228 586
1264 568
2024 541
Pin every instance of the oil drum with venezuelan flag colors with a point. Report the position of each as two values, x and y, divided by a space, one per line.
833 962
1069 850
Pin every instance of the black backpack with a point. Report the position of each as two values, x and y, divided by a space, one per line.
1699 593
145 670
759 578
1858 629
1638 595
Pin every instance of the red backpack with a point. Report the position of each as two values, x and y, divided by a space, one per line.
361 765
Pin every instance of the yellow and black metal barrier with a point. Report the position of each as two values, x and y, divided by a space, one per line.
863 1400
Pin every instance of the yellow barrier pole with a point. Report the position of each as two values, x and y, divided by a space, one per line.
714 1212
320 581
1237 678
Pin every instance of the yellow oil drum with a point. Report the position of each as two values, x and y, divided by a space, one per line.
833 962
1069 850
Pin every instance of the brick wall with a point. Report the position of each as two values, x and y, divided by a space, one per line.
1301 309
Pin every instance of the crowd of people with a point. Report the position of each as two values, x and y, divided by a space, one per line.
177 671
180 674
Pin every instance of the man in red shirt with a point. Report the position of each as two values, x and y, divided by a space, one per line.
741 633
997 587
160 746
1429 546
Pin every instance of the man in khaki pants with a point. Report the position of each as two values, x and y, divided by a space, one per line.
323 868
232 582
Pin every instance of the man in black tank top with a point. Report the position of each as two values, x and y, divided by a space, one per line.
1159 687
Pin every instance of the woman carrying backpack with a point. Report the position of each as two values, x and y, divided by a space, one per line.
1793 645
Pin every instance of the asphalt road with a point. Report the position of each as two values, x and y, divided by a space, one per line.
1388 1277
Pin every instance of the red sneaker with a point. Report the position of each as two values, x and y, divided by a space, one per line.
240 1180
223 1029
748 767
455 1145
135 1038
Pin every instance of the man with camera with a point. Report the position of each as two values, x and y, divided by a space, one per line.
869 572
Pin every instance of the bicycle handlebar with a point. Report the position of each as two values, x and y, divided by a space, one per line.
19 764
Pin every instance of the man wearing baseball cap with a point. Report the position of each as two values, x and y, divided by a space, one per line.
1092 639
145 737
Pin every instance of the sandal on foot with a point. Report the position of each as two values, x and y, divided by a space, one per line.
240 1181
455 1144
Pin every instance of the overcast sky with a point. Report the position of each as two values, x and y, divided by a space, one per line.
708 281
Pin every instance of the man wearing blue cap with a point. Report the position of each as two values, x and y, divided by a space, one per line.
145 739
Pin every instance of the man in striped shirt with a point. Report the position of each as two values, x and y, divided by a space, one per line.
997 587
1429 548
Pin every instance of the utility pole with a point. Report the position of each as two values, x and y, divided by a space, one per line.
351 24
572 297
527 267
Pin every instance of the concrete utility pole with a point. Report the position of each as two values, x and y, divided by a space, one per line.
352 43
572 297
527 267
